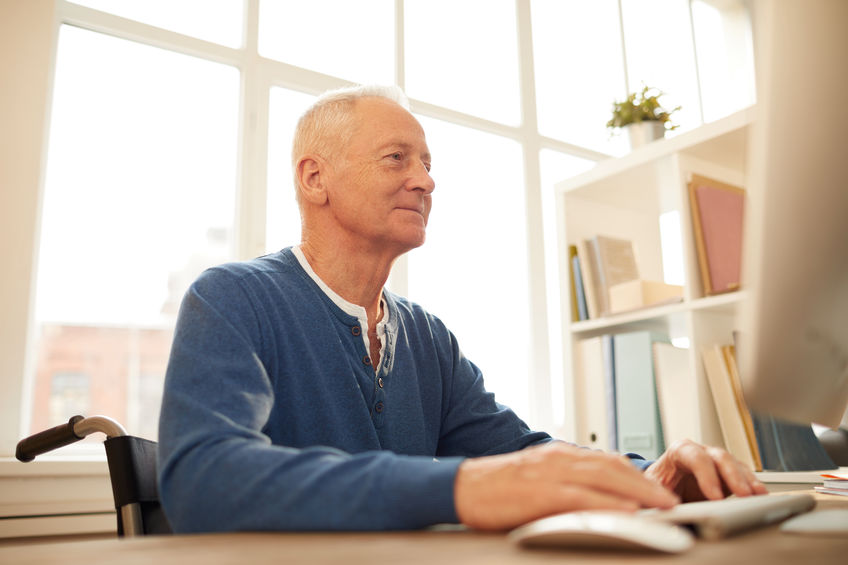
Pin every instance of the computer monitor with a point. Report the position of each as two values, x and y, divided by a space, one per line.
794 336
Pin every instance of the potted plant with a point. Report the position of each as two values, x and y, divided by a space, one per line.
643 116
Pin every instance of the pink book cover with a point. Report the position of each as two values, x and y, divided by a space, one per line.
721 212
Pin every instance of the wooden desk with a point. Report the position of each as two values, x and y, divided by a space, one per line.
765 546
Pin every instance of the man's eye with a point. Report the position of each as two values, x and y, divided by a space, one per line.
396 156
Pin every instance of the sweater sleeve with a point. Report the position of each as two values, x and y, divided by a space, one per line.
218 471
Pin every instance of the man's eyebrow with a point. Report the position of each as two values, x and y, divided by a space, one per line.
402 145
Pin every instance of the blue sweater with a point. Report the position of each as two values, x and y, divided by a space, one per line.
273 418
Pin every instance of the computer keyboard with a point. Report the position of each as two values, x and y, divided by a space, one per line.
714 519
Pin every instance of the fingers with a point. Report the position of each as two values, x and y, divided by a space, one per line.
738 479
715 471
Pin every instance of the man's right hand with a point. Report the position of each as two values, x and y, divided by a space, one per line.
501 492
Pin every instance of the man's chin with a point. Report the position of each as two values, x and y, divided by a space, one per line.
410 242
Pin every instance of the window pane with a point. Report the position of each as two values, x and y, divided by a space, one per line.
139 198
472 272
218 21
350 40
464 55
660 54
579 71
555 167
725 58
282 225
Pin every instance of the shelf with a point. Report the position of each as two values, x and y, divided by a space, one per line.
723 303
719 141
629 198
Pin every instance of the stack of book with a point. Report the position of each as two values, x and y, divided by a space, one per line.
836 483
605 279
645 389
762 442
638 393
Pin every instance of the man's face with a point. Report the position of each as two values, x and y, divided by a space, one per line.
380 188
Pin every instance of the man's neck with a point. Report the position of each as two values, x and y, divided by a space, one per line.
357 277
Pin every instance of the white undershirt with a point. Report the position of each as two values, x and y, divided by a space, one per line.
347 307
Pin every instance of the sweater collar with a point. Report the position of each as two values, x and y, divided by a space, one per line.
386 324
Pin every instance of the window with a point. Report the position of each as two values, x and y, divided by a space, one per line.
579 71
650 27
138 198
725 57
454 61
169 145
474 264
69 394
282 217
350 40
221 20
555 166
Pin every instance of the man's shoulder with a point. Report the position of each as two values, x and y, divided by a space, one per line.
279 266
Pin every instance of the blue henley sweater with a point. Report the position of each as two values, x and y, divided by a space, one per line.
274 419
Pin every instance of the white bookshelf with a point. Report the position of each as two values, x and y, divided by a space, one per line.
625 198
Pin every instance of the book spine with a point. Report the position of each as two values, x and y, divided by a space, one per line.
579 290
608 346
572 254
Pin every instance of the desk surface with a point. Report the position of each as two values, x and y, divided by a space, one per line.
766 546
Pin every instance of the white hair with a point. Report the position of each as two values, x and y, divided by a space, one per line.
325 126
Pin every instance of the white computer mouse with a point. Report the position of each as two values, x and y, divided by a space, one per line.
603 530
820 522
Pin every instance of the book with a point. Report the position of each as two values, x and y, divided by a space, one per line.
729 417
639 293
786 447
833 485
588 270
638 424
608 345
717 218
676 392
789 447
591 394
729 353
572 256
615 260
578 294
831 490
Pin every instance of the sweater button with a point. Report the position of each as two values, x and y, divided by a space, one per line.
378 407
366 360
380 382
356 330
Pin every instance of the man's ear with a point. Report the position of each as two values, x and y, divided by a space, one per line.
310 175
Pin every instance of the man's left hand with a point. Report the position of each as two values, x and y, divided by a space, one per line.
697 472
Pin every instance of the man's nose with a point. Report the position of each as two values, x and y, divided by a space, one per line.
422 180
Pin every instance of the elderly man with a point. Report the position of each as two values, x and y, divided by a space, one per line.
302 395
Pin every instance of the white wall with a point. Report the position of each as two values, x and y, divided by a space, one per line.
26 53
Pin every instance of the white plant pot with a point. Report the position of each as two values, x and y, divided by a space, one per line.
642 133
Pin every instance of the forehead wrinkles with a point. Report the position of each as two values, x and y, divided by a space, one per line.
381 123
